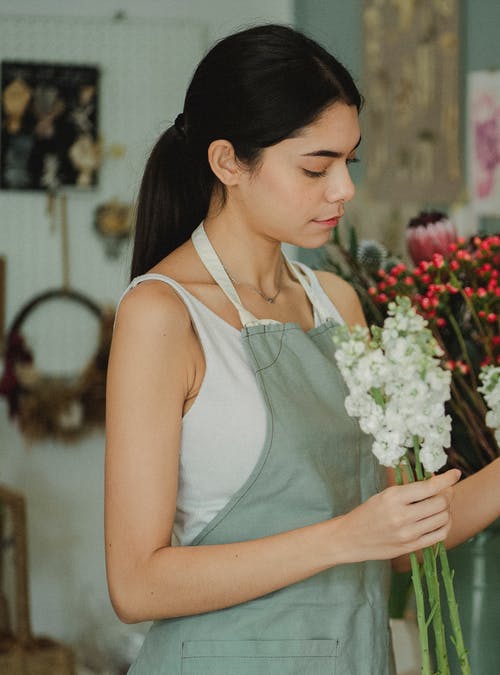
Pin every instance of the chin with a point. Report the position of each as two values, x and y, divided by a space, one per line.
312 242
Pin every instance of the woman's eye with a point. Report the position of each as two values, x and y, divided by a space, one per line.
314 174
352 160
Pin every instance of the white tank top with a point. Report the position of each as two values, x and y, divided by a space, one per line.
224 430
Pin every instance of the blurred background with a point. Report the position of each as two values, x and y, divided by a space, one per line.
90 86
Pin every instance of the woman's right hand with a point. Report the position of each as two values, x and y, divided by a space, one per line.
399 520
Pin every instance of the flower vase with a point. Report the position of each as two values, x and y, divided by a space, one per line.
477 587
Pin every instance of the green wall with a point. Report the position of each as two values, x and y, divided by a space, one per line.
337 25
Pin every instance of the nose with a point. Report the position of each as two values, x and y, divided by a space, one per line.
340 187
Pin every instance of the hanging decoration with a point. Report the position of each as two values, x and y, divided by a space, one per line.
411 122
49 126
112 222
61 408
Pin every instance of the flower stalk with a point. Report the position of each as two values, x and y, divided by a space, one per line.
431 577
416 578
458 639
397 389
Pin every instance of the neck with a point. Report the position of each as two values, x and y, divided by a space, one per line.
247 254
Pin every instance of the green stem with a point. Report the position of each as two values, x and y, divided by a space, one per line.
472 311
475 398
458 640
432 581
463 346
420 603
470 409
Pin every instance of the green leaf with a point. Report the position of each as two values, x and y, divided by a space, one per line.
378 396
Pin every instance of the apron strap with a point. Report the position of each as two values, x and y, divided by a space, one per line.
305 278
212 262
216 269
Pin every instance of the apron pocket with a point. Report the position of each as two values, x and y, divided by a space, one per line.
255 657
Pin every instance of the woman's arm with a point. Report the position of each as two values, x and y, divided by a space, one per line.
152 372
475 504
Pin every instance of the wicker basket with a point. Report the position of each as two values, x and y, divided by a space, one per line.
20 652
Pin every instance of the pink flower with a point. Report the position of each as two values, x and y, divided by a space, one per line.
429 234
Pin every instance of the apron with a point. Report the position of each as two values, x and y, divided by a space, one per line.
316 464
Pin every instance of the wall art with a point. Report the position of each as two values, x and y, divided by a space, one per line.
411 118
483 134
49 120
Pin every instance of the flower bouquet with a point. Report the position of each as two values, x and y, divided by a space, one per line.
397 389
454 285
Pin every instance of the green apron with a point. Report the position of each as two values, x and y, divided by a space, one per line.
315 464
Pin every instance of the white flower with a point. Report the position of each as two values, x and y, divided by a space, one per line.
490 377
397 387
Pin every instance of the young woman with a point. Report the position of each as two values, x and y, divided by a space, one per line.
245 512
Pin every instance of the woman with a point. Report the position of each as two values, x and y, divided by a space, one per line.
244 509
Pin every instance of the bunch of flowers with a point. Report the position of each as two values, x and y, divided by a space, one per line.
454 285
397 389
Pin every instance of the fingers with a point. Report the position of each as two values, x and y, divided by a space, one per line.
431 506
433 537
438 521
415 492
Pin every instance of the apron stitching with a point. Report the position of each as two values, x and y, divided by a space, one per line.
260 369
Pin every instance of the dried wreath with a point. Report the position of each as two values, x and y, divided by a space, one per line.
56 407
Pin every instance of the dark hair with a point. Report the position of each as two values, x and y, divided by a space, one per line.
253 88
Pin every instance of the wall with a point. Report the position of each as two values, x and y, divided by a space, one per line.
219 16
64 484
338 26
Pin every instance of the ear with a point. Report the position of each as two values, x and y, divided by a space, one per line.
223 162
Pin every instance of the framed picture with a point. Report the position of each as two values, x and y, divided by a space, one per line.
49 120
483 135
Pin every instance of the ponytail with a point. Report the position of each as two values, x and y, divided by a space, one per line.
171 201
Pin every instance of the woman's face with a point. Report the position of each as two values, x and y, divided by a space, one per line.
297 193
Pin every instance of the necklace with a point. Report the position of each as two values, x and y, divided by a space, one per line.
268 298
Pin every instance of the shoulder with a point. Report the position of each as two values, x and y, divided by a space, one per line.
153 308
154 346
343 296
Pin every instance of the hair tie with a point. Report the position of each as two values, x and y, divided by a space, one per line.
179 125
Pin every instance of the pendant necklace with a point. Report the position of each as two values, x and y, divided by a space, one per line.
268 298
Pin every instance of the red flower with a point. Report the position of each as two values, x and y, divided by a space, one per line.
429 234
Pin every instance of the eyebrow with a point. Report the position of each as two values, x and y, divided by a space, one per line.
329 153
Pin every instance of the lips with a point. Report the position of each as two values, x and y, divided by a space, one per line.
329 222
